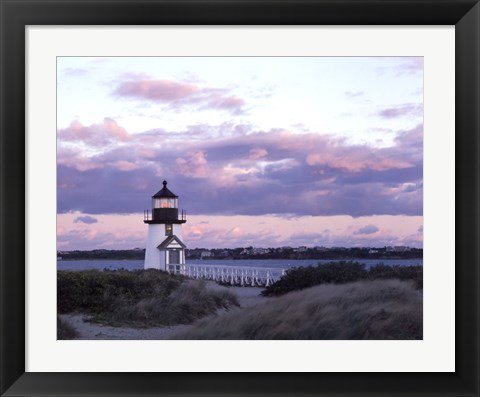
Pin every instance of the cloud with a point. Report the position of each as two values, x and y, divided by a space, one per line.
156 90
348 239
87 239
249 172
411 65
100 134
350 94
74 158
194 165
406 66
257 153
368 229
408 109
85 219
232 236
124 165
179 94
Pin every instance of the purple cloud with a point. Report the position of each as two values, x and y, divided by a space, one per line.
408 109
178 94
156 90
368 229
249 172
411 65
85 219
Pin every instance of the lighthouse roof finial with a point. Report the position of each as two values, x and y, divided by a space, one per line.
164 192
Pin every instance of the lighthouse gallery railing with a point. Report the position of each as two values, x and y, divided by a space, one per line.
233 275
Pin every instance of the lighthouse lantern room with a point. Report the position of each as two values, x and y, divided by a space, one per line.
165 248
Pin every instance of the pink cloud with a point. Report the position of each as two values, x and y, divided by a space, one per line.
204 235
355 158
178 94
90 238
193 164
156 90
100 134
124 165
73 158
257 153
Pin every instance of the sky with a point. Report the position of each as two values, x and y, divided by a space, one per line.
262 151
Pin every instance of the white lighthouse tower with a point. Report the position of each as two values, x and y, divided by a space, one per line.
165 248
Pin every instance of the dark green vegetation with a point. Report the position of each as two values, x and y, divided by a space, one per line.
334 253
341 273
261 253
136 253
65 330
138 298
381 309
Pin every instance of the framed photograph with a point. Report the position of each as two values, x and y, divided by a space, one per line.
240 198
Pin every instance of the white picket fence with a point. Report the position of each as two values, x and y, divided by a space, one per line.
234 275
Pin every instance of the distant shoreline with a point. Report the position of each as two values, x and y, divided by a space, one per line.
237 259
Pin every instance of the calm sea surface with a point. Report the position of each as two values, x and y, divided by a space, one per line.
129 264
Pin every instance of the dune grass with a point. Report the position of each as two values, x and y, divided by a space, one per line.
65 330
191 301
94 291
142 298
380 309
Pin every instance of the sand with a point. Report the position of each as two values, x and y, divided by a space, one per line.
247 297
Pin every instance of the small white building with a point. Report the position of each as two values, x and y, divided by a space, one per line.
165 249
205 254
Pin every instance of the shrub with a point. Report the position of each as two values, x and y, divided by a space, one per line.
304 277
94 291
141 298
65 330
380 309
341 273
413 273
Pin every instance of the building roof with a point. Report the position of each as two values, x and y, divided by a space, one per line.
164 192
165 243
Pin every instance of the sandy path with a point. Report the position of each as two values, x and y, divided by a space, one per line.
247 297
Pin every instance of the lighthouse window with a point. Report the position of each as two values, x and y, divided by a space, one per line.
165 203
168 230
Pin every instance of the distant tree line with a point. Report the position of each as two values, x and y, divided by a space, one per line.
334 253
307 253
102 254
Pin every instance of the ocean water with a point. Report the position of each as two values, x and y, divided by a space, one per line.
130 264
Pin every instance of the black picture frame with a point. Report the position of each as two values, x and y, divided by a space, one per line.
17 14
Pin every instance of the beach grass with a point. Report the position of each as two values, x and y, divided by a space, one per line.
379 310
142 298
189 302
65 330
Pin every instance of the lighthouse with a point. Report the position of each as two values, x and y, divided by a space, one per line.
165 248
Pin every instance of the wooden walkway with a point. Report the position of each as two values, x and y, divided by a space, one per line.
244 276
